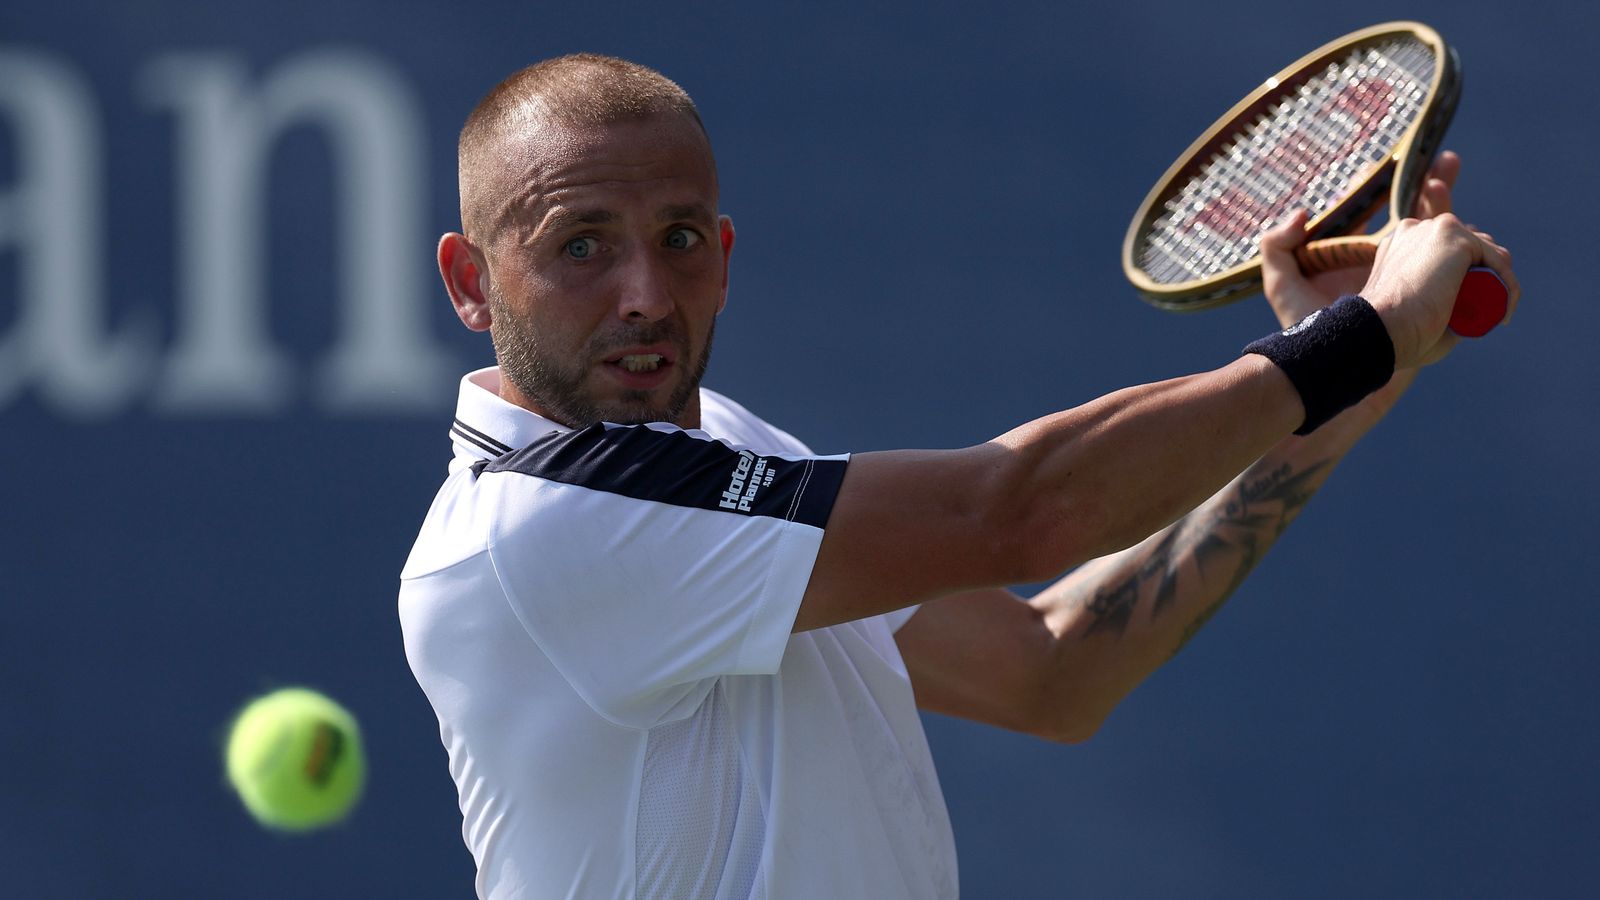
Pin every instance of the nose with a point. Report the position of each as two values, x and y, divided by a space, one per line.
646 294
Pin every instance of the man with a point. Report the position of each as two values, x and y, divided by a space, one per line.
674 654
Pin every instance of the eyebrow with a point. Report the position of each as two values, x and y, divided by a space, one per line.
694 212
562 219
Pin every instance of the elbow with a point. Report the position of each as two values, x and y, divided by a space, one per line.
1064 712
1077 735
1070 728
1075 694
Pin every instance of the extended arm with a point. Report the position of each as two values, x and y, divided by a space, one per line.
1055 666
909 526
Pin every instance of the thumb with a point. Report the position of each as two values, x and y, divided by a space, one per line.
1278 243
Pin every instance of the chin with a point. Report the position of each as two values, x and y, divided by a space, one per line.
640 411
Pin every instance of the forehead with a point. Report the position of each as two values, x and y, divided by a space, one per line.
663 160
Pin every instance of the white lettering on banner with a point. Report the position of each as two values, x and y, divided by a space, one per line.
54 218
223 358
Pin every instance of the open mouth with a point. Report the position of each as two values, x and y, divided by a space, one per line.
642 362
641 359
642 367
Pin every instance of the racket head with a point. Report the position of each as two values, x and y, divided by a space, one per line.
1328 133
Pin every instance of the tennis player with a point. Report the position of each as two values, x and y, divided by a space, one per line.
675 654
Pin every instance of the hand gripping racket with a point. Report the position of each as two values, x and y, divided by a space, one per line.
1353 123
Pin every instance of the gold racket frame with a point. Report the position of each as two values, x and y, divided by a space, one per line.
1245 279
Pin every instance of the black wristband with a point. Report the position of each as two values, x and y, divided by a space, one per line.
1334 357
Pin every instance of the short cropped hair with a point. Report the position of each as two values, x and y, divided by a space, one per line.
581 89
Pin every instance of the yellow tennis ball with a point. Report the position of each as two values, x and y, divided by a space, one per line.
295 758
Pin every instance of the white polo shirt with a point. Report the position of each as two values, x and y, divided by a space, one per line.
602 621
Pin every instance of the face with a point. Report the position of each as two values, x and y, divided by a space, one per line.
606 274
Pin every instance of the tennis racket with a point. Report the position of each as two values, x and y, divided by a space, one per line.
1350 125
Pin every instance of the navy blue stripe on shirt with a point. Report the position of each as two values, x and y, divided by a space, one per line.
683 470
477 437
491 449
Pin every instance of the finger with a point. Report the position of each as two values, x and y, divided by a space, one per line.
1446 167
1489 239
1278 244
1287 234
1434 200
1498 258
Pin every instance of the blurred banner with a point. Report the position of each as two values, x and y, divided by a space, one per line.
219 355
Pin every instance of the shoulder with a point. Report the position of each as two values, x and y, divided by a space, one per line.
665 465
723 417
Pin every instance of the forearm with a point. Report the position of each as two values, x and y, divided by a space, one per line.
1102 476
1120 617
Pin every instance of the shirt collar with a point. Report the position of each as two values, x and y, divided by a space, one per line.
488 426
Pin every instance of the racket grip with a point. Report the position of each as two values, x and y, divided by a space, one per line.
1480 304
1336 253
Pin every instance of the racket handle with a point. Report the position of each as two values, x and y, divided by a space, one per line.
1336 253
1480 304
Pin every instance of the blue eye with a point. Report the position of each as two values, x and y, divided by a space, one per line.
682 239
582 248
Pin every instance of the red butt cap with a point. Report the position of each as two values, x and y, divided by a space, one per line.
1481 303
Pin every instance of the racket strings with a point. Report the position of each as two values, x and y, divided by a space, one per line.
1310 149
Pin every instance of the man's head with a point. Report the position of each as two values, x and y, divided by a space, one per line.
592 251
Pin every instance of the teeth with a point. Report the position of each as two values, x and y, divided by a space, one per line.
645 362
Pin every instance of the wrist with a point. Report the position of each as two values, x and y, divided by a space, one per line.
1334 358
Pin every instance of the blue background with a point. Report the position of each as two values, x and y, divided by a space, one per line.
930 202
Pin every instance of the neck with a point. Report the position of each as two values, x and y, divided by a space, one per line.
509 392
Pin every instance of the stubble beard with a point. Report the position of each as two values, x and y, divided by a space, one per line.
556 386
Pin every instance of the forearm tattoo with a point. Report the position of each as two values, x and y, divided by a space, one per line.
1223 540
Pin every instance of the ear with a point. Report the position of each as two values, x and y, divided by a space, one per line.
725 232
465 275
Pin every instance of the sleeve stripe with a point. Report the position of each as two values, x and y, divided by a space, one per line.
675 467
794 504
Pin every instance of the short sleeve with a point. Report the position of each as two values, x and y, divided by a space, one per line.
646 561
896 619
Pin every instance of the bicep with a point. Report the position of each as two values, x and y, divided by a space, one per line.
907 527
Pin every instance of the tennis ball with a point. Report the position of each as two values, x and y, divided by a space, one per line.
295 758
